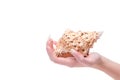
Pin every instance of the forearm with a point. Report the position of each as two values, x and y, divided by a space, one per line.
109 67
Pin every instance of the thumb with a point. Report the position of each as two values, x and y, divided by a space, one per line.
77 55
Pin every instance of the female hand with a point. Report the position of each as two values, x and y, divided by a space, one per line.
78 60
93 60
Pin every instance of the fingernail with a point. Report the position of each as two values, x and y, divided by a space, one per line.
49 38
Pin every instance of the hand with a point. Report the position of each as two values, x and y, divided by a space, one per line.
77 61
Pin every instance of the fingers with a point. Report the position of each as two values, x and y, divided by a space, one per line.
54 42
52 56
70 61
77 55
80 58
63 61
49 47
49 42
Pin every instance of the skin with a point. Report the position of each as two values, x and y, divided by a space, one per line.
93 60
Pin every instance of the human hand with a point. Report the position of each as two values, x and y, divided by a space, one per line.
78 60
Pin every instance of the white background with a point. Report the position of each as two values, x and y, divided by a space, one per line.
26 24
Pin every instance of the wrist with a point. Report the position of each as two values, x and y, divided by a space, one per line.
100 64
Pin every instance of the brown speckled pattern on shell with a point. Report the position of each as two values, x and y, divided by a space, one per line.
80 41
